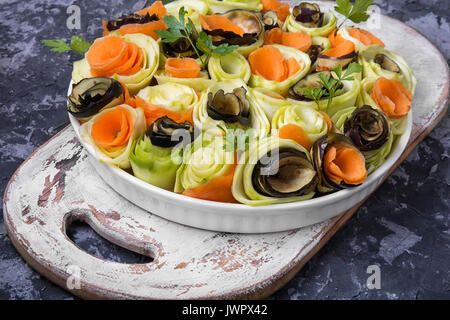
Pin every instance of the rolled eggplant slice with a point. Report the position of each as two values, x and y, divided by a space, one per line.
157 154
112 132
368 128
319 45
282 88
166 133
251 25
327 24
348 98
270 20
338 162
312 122
248 21
91 95
269 101
326 62
134 82
204 161
308 14
397 126
222 6
180 48
230 103
379 62
274 171
228 67
194 8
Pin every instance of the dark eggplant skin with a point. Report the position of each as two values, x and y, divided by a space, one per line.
270 20
219 108
161 132
181 48
132 18
261 183
320 147
332 62
220 36
363 128
311 80
313 52
308 14
82 104
386 63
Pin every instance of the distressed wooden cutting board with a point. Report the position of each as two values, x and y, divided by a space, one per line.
57 185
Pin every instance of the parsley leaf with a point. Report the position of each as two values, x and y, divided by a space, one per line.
356 13
224 49
57 45
351 69
204 43
343 7
77 44
315 94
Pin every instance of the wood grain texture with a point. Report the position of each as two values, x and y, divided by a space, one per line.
56 185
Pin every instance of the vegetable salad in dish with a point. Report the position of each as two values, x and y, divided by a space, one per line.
251 102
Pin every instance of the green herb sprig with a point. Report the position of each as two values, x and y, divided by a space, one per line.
330 85
177 29
77 44
356 12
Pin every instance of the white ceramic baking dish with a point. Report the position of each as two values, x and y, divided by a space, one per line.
239 217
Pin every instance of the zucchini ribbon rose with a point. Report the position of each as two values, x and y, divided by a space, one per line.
338 163
201 83
370 132
193 8
269 101
235 27
302 124
157 154
391 97
379 62
274 171
340 116
171 99
308 17
221 6
277 67
227 103
359 37
131 59
228 67
112 133
207 170
346 99
92 95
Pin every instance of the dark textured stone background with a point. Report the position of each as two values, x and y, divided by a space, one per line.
404 227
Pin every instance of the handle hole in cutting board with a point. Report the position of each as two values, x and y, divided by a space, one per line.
88 240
